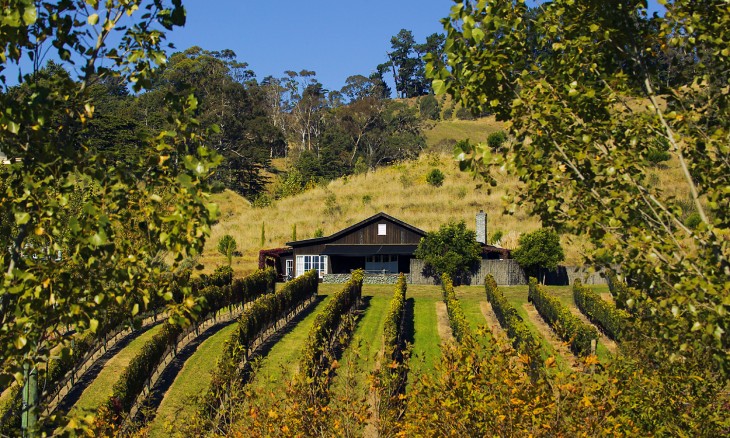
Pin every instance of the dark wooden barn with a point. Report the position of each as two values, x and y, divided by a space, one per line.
379 244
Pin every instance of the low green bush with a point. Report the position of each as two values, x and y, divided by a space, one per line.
435 178
566 325
611 320
495 140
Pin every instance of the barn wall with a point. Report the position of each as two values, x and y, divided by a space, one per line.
368 235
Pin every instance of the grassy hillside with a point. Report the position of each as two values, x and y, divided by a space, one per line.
442 136
401 191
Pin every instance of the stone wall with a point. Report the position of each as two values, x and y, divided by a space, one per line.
505 273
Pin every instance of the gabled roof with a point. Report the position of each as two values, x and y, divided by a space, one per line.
371 219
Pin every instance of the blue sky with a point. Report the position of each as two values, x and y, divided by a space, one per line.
334 38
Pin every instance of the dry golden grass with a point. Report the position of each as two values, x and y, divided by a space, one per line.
442 136
401 191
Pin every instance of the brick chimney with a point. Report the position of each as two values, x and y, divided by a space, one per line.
481 227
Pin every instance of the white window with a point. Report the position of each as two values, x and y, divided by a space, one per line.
289 269
308 262
381 229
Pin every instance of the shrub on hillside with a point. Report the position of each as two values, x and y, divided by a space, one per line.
435 177
495 140
429 108
226 247
659 154
448 113
464 114
693 221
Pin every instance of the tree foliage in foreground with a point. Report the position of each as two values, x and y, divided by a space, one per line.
86 232
586 110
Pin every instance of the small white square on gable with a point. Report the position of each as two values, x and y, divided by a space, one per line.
381 229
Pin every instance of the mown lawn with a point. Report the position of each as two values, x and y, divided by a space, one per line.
426 350
366 343
192 380
101 388
283 358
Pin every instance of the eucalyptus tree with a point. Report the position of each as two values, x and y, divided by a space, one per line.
229 98
66 259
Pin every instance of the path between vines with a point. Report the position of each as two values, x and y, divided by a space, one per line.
607 342
444 328
546 332
493 322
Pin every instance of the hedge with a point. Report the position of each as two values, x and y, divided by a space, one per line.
611 320
10 411
457 320
620 291
133 378
259 317
523 340
322 336
393 378
270 308
567 326
394 319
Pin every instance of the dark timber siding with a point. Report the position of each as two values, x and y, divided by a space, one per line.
368 235
308 250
